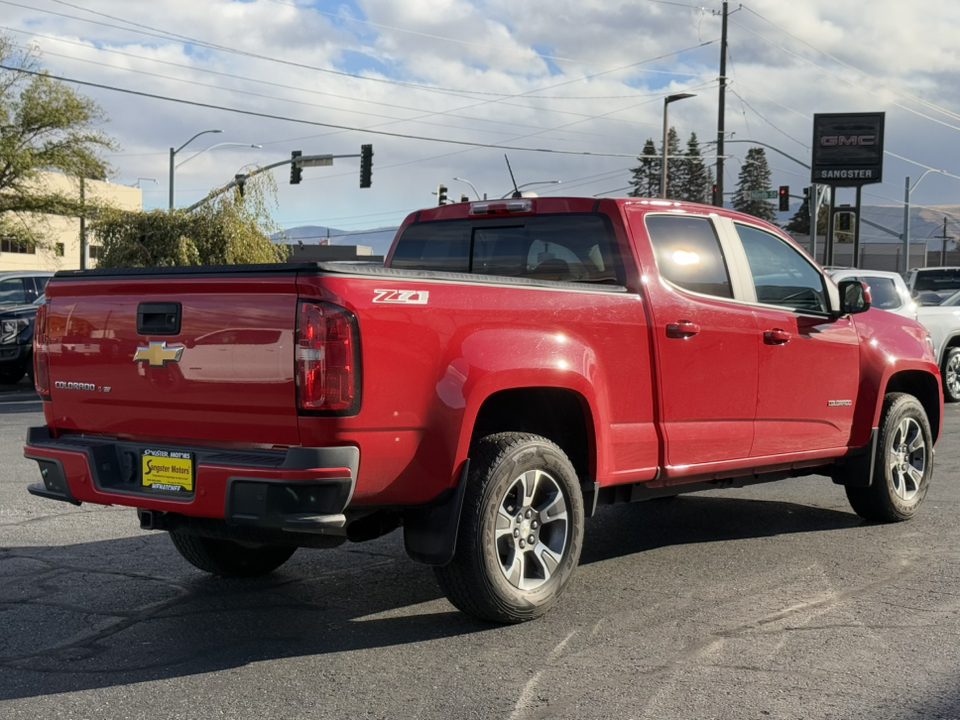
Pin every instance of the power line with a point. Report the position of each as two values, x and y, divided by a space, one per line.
881 83
157 32
768 122
418 119
842 79
314 123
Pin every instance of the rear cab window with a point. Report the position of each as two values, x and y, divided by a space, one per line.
943 281
580 248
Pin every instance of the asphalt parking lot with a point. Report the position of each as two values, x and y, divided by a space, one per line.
770 602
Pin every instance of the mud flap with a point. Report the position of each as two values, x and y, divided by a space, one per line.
430 533
857 470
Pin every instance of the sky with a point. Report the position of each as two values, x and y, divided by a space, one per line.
567 90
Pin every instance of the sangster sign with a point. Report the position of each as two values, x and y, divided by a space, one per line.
847 148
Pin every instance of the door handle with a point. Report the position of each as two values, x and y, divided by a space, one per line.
682 329
776 337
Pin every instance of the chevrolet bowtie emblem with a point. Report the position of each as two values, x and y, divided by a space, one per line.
157 354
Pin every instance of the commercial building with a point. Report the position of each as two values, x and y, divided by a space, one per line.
61 235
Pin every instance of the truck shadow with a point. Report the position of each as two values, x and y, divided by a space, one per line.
627 529
130 610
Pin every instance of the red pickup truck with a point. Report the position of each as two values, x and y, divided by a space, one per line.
513 365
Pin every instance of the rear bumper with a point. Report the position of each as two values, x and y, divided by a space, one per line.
302 490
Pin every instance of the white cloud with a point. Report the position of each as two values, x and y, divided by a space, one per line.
491 82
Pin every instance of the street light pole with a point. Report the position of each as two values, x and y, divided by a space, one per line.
663 165
476 192
907 190
218 145
173 154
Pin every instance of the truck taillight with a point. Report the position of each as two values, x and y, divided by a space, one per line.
328 355
41 353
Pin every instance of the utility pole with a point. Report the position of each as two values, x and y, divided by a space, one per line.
718 198
943 246
83 223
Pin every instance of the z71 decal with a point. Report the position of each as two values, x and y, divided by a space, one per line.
401 297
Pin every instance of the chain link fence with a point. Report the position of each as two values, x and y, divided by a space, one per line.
881 256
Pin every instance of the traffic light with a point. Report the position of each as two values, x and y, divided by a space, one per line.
441 194
296 172
784 197
464 198
713 195
366 165
844 223
240 179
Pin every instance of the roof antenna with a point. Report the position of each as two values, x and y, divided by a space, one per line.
516 190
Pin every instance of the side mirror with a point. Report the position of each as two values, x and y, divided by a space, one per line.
854 297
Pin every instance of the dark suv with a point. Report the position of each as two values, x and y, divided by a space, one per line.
20 295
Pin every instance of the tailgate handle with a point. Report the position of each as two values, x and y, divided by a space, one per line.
158 318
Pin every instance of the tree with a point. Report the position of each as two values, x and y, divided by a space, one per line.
646 176
696 181
44 126
230 229
754 175
675 169
800 222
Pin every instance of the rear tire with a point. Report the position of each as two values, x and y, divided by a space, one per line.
903 465
520 533
229 558
11 376
950 372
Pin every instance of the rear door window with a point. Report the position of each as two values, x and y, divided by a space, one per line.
689 254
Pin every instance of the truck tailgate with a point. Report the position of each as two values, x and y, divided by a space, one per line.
204 358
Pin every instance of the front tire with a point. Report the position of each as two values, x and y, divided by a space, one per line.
903 464
229 558
520 533
950 372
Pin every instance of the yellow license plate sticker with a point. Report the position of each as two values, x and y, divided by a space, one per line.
167 470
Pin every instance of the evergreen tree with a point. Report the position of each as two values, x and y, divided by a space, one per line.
800 222
675 167
696 181
754 175
646 176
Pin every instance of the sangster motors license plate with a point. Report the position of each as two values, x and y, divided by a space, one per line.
167 470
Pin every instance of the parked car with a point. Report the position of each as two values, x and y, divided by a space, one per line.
16 340
890 292
23 287
942 281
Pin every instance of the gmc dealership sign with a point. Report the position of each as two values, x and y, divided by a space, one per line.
847 148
